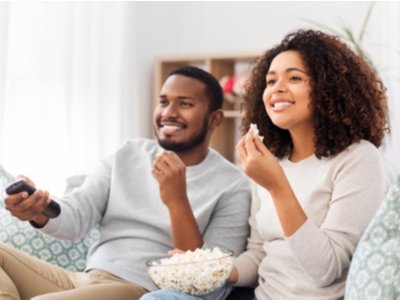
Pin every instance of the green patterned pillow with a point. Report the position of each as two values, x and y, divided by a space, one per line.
375 268
21 235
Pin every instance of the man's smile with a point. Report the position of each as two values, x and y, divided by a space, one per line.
170 127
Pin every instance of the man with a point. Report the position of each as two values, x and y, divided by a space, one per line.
147 198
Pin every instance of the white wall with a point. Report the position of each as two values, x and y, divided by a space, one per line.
170 28
185 27
257 25
157 30
151 29
384 47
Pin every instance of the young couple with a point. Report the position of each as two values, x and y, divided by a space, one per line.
317 180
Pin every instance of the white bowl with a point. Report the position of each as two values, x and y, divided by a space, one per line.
195 273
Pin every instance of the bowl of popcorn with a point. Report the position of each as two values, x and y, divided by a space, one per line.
196 273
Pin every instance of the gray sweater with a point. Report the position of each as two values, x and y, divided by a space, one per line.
340 195
122 197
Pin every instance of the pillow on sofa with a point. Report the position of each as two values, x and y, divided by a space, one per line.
375 268
21 235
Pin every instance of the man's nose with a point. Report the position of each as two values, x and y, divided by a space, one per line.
170 111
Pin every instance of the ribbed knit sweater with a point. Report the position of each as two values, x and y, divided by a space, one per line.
339 195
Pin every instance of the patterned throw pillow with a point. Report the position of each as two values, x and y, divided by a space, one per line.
21 235
375 268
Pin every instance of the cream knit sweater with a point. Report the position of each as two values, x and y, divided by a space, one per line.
340 195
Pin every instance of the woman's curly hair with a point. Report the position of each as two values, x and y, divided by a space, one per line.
348 98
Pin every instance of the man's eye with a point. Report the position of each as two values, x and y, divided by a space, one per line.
186 104
163 102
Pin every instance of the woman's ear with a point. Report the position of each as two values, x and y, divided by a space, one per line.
215 119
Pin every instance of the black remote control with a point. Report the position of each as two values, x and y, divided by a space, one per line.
52 210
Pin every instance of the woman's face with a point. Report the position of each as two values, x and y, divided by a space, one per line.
287 97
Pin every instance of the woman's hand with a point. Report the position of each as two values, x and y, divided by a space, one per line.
259 163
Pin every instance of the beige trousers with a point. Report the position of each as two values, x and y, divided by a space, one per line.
25 277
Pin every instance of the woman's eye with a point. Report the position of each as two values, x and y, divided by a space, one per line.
295 78
270 82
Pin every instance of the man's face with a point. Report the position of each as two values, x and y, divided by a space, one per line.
181 115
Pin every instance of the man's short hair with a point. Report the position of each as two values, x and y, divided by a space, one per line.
213 88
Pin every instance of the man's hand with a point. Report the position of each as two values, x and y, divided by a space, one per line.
28 208
233 278
175 251
170 172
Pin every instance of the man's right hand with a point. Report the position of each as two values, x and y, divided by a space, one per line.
28 208
233 278
170 172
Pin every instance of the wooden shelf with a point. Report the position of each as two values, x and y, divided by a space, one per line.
228 133
233 114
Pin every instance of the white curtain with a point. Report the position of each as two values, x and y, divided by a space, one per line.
66 86
384 47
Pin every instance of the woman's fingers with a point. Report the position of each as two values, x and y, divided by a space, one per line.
251 146
260 146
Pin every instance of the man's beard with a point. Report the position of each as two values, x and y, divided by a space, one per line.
192 142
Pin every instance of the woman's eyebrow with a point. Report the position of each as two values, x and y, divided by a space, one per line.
295 69
288 70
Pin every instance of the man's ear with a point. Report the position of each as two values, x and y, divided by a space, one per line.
215 119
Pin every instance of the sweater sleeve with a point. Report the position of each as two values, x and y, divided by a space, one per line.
247 263
325 252
228 227
82 209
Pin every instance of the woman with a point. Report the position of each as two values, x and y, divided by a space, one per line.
321 111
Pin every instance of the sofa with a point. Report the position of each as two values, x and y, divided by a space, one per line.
374 271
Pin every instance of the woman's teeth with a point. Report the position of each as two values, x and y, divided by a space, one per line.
280 105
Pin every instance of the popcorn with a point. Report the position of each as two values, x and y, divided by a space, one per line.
255 132
197 273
